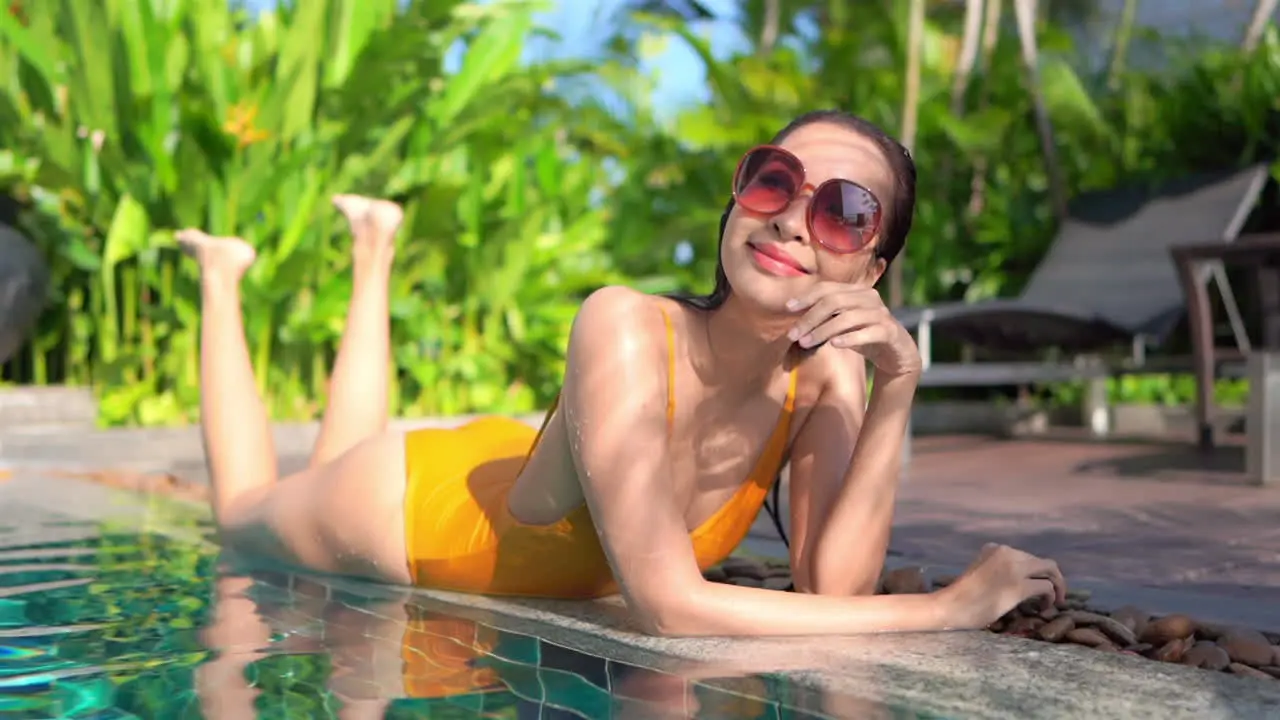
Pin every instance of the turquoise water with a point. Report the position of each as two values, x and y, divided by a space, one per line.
127 625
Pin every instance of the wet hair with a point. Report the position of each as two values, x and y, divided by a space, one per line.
897 223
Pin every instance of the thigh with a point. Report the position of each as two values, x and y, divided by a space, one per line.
345 516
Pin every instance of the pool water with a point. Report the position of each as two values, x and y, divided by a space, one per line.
110 624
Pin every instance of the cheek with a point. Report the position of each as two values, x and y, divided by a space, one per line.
738 230
842 268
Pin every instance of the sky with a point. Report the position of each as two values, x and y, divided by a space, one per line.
678 72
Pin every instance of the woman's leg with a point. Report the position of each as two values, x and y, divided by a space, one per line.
358 388
237 434
339 517
238 637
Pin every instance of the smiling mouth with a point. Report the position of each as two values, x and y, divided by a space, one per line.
776 262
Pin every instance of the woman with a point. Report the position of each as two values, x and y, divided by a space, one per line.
673 421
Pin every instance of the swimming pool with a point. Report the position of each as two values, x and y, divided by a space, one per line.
97 622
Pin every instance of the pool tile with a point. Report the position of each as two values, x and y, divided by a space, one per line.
588 668
516 647
569 691
522 680
719 703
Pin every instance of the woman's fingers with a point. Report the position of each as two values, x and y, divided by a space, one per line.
837 325
1039 588
827 300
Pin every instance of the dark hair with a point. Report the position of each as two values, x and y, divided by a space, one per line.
897 221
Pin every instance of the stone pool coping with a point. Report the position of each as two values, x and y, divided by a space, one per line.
972 674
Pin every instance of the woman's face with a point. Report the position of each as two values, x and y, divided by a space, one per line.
754 243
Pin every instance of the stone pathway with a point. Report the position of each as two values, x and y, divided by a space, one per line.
1139 514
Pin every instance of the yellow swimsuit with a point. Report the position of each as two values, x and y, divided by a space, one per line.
460 534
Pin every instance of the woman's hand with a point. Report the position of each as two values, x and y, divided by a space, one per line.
856 318
997 582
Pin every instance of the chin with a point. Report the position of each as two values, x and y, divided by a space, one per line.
765 292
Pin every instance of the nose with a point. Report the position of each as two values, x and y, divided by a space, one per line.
790 224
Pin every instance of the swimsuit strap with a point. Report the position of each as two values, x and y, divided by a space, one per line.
789 404
671 369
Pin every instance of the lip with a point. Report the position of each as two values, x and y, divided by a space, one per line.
780 257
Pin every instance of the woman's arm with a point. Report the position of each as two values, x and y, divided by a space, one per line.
615 410
845 465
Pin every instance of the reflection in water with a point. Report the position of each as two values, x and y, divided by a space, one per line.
137 626
396 657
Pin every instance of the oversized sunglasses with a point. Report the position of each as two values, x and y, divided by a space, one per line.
842 215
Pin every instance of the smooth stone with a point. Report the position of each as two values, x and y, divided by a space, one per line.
1091 637
1170 627
1172 651
742 567
1246 671
1134 618
777 582
1247 646
1206 655
1114 629
905 581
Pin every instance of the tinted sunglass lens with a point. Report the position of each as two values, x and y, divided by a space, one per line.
843 215
767 180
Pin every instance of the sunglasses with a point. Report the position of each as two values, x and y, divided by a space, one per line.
842 215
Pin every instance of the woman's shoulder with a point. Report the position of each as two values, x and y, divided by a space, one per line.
618 320
623 309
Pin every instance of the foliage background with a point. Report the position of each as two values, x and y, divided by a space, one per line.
528 183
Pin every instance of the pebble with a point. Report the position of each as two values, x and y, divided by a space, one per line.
1025 626
1055 630
1246 646
777 582
1172 651
905 581
1245 670
1134 618
1207 655
1087 636
742 567
941 581
1114 629
1129 630
1170 627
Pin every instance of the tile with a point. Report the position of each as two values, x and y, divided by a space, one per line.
590 668
569 692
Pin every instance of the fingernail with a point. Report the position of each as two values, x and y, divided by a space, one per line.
792 304
806 341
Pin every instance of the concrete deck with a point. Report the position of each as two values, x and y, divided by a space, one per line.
1159 526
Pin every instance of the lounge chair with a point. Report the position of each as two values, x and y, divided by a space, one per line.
1107 280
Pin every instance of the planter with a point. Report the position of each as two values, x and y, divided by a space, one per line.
979 417
31 410
24 284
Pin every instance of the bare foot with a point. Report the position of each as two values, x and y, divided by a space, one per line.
223 254
374 222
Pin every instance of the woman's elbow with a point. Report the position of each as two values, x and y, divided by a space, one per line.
668 615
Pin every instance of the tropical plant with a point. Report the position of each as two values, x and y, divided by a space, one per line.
124 121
